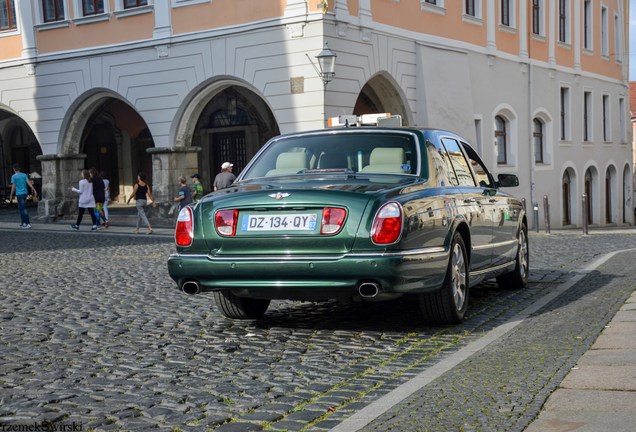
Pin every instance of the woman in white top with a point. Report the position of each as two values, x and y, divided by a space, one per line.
86 200
104 177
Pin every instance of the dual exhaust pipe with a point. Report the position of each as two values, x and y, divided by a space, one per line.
191 287
367 290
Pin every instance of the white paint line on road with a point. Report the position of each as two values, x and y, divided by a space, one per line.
374 410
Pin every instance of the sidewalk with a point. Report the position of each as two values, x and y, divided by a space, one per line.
122 224
599 394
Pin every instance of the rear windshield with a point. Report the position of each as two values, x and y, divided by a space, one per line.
370 152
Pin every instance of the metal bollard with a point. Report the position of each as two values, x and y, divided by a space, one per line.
546 213
585 221
536 217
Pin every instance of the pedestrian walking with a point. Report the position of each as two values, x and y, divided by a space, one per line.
104 177
99 192
185 194
197 189
225 178
20 185
86 200
141 192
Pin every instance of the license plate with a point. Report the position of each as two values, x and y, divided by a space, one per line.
279 222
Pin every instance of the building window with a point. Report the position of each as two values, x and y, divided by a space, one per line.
92 7
469 6
622 120
587 115
606 119
128 4
505 12
501 139
431 1
563 21
537 137
618 40
565 113
536 17
604 30
52 10
7 15
587 25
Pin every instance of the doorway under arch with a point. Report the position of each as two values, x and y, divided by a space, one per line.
381 94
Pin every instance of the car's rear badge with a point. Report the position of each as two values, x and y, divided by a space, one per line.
279 195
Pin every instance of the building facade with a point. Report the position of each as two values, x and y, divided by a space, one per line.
173 87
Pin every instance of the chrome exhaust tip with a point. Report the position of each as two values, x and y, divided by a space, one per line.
369 290
191 287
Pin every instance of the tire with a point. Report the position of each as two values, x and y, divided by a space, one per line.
449 304
234 307
518 278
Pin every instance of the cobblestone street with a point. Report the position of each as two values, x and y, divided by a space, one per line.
95 333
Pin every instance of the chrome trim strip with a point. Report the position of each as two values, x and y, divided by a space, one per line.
495 245
425 253
492 269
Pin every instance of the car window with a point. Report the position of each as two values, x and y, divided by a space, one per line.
459 162
369 152
481 173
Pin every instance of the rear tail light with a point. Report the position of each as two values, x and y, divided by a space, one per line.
183 233
387 225
225 221
332 220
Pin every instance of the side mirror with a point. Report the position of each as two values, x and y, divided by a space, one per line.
507 180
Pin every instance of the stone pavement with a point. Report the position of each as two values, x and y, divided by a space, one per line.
599 394
94 333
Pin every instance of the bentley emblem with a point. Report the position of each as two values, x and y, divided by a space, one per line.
279 195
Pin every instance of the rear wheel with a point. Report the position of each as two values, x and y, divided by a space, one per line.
240 307
449 304
518 278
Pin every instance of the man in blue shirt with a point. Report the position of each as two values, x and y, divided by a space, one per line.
20 185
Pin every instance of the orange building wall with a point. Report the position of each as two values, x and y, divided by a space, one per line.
114 31
224 13
410 16
10 47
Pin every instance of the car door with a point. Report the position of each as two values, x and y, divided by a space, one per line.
477 207
504 225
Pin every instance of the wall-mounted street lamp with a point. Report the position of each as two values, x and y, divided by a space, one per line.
327 64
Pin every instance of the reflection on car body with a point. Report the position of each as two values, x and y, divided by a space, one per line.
355 213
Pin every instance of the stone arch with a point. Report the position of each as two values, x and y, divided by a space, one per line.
224 119
381 93
591 188
610 211
569 201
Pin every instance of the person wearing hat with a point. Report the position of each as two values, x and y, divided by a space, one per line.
225 178
197 190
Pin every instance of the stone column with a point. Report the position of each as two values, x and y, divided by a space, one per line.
59 174
168 164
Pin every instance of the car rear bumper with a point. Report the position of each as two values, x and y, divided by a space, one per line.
312 277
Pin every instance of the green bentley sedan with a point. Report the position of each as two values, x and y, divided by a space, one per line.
355 213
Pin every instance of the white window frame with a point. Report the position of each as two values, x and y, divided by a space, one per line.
478 12
606 117
604 31
120 12
588 107
512 135
436 8
618 39
622 120
565 113
542 10
588 32
512 14
568 36
39 17
80 19
548 139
